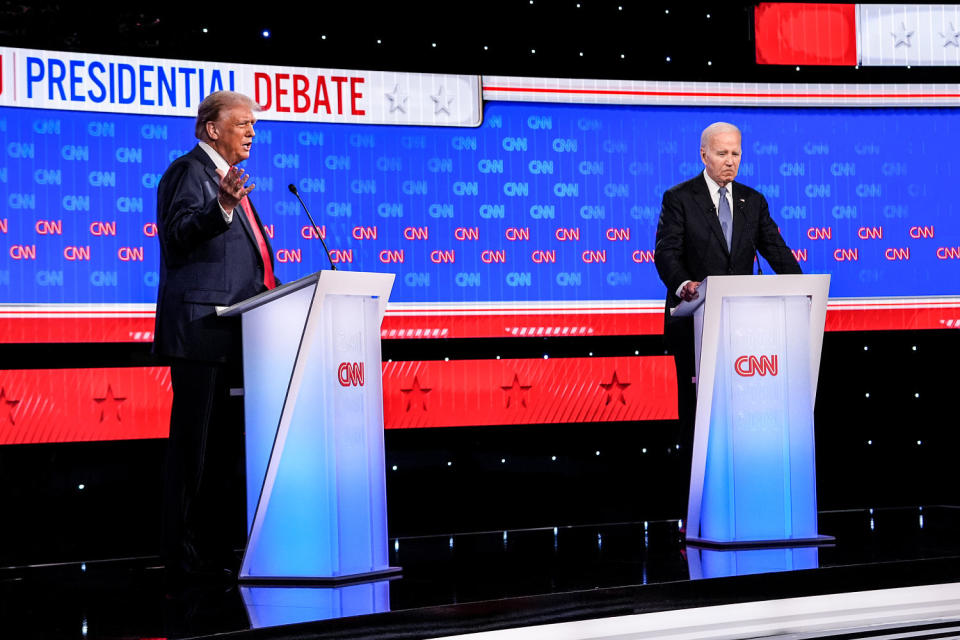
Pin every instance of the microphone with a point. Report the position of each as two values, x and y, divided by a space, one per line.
293 190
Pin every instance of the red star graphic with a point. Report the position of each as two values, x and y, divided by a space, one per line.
10 404
109 400
516 392
416 394
615 389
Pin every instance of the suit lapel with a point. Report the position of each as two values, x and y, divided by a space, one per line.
703 198
739 218
209 168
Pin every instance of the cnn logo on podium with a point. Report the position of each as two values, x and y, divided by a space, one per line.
350 374
748 366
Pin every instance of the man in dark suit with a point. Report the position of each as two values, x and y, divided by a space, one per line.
214 252
710 225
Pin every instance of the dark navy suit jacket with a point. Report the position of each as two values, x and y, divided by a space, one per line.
690 243
204 262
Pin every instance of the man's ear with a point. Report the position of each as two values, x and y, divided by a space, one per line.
212 132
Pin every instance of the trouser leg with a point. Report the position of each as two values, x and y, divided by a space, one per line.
202 455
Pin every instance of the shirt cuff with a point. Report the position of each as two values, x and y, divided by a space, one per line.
680 288
227 215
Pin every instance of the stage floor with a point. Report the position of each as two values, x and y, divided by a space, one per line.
490 580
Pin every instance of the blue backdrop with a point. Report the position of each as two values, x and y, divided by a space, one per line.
542 202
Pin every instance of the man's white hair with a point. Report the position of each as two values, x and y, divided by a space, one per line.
714 129
213 106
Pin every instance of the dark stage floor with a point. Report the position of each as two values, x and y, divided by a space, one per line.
489 580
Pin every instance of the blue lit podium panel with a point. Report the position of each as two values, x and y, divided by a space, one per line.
313 399
753 474
706 563
272 606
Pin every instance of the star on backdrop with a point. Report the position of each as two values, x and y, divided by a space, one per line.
9 403
516 392
901 37
951 37
416 394
398 101
442 102
614 389
108 401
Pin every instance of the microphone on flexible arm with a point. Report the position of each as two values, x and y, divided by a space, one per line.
293 190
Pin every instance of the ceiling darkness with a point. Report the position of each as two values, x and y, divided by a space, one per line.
549 38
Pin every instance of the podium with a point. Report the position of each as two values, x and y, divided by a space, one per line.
313 403
275 605
753 475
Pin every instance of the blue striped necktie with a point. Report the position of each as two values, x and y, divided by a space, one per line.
726 217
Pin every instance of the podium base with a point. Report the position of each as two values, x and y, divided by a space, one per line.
325 581
818 541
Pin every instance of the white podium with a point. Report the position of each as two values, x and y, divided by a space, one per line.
313 402
753 474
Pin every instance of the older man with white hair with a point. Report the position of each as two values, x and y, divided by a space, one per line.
214 251
710 225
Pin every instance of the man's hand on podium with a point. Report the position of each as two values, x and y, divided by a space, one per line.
688 291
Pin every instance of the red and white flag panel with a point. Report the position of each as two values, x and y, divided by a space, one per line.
857 34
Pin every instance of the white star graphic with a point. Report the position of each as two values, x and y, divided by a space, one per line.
902 37
951 37
398 102
441 102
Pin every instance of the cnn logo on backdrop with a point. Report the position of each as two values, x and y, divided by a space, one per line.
350 374
748 366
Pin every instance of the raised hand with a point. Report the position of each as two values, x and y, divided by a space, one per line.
233 187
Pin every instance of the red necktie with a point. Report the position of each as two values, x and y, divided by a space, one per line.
268 278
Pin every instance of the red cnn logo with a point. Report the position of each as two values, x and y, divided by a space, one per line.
350 374
747 366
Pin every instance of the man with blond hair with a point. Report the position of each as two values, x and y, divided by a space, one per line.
214 252
710 225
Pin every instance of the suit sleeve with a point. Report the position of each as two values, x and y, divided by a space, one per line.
770 243
188 213
669 249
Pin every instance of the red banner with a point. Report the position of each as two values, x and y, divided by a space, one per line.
70 405
76 405
463 393
806 33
